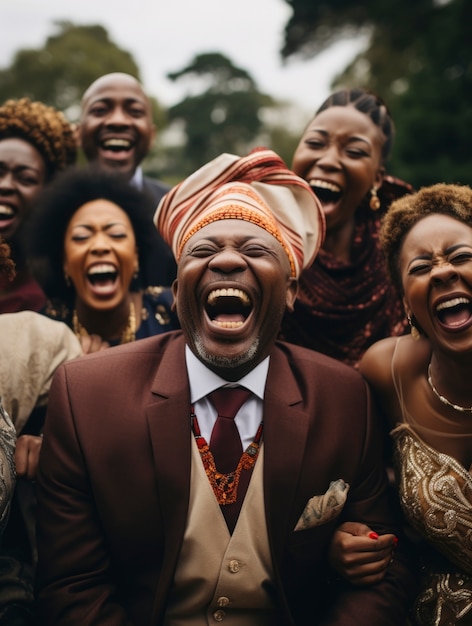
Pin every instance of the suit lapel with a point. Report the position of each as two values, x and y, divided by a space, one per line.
168 417
285 433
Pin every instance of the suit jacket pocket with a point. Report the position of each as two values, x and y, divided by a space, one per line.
322 509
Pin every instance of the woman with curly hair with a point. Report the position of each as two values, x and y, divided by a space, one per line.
422 382
345 301
89 242
36 142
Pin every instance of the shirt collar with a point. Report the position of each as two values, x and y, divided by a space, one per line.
138 178
203 381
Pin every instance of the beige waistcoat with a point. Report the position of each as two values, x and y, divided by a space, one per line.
222 577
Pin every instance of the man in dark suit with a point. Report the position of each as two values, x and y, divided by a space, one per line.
138 523
116 132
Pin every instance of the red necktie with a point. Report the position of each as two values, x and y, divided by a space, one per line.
225 442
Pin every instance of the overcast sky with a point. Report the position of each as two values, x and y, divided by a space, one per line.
165 35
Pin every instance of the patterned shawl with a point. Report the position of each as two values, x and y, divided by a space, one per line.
343 308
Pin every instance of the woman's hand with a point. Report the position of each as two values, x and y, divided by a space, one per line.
359 555
27 452
93 343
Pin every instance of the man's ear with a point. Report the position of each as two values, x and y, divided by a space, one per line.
291 295
174 293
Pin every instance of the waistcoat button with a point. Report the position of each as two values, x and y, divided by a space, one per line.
219 615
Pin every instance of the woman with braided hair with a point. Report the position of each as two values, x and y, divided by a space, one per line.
36 142
345 301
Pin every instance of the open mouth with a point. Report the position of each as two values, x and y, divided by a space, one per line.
116 145
455 312
6 212
103 276
328 193
228 308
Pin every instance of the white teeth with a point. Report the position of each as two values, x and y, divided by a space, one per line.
228 324
323 184
449 304
234 293
103 268
6 210
117 143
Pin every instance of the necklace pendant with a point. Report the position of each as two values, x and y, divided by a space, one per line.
225 486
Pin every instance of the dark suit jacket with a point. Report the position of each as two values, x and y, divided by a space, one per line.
161 268
113 486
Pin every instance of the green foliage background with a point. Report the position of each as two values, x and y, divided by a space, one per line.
223 114
418 58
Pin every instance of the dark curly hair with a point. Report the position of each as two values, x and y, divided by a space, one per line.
44 127
370 104
404 213
57 204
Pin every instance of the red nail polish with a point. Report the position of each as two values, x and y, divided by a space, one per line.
395 542
373 535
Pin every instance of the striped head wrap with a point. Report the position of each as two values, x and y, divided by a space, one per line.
257 188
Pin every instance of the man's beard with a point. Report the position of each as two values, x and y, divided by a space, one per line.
214 361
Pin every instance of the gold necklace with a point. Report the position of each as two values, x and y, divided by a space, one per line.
457 407
128 334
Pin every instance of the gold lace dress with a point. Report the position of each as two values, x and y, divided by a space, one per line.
436 497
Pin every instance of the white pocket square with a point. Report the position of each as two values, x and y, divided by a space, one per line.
322 509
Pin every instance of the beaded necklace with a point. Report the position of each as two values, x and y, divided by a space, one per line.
225 486
444 400
128 334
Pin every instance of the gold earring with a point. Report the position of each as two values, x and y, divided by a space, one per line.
415 333
374 202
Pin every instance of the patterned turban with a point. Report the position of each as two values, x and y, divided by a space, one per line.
257 188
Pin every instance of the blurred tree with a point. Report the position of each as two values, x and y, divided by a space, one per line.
70 60
60 72
282 141
419 58
283 124
222 114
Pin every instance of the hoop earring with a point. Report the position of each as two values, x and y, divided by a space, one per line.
374 201
415 333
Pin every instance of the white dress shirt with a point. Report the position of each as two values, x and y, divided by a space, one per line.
203 381
137 179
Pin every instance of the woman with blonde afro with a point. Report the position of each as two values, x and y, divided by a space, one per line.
36 142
